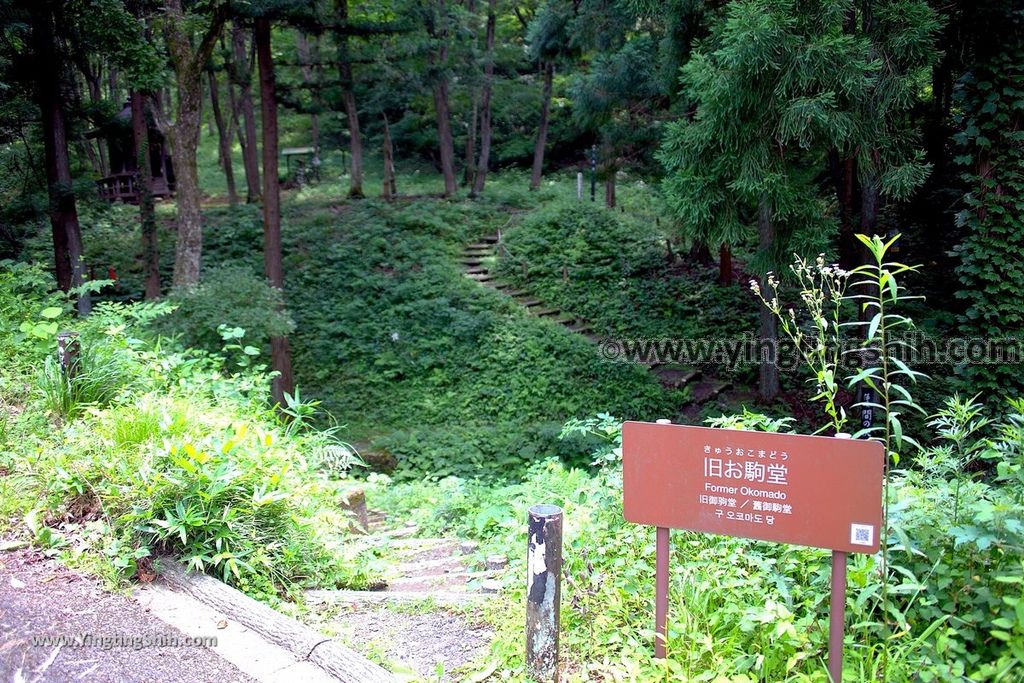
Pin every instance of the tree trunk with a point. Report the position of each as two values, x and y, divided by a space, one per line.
97 156
542 127
144 181
609 188
485 104
306 59
224 140
348 96
188 65
242 77
67 234
469 161
390 190
725 265
444 136
769 371
438 61
115 94
284 382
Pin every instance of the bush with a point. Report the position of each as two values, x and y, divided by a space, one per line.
228 295
612 270
169 450
745 610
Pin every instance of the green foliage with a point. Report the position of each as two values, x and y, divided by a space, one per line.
991 144
816 331
745 610
227 295
411 355
93 380
30 316
165 449
612 271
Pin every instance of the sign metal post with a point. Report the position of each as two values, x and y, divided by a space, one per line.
803 490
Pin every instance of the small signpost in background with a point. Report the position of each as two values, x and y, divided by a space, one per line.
803 490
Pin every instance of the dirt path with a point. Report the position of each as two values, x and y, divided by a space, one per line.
39 597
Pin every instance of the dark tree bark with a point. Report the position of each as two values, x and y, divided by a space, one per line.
308 55
348 95
609 188
112 85
389 190
144 180
542 127
223 139
469 154
284 382
769 371
188 62
67 234
92 75
241 76
725 265
444 134
438 62
485 104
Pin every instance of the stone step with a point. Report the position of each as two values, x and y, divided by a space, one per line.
517 293
480 277
530 303
580 329
479 247
471 261
437 565
439 579
546 312
708 390
565 320
501 285
673 378
420 543
490 239
477 270
335 598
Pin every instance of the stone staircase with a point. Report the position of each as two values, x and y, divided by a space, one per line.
423 617
704 387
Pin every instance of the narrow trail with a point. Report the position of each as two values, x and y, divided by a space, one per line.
425 617
704 387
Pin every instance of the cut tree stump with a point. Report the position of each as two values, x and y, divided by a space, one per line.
299 639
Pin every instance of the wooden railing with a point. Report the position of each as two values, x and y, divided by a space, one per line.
124 187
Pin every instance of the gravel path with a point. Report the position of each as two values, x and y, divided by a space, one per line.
40 597
433 644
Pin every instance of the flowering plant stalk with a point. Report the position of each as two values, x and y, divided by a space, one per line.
815 332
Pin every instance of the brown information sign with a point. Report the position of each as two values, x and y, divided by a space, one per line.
804 490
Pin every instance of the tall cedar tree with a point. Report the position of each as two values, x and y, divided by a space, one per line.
188 62
284 382
348 94
241 78
51 98
549 39
438 28
486 131
144 181
766 114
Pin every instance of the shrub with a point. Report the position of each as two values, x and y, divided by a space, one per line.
228 295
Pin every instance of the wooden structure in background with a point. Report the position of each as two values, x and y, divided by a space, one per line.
122 182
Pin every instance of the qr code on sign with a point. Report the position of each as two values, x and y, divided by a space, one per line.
862 534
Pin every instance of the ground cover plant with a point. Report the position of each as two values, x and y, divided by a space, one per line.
152 448
266 222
